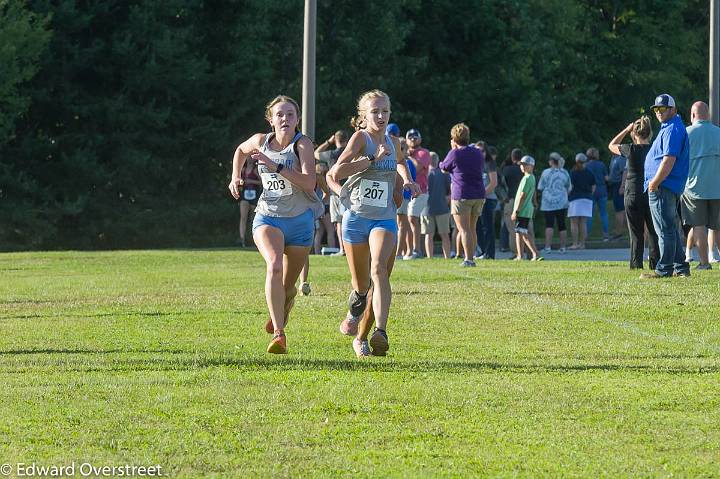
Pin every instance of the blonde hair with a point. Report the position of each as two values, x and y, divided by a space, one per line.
460 134
642 128
358 122
282 99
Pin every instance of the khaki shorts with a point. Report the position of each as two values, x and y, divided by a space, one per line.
418 204
471 207
430 224
336 209
697 212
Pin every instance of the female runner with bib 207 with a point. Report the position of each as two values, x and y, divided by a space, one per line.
371 163
285 216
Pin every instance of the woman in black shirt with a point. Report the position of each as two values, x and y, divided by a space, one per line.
637 205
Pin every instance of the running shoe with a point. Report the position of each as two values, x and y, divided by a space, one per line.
562 251
714 260
703 266
305 289
538 258
468 264
357 303
409 257
546 250
278 345
362 350
349 325
379 342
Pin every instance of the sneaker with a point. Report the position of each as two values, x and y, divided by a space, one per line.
562 250
305 289
546 250
362 350
688 259
714 260
681 274
409 257
606 239
339 253
278 345
537 258
357 303
379 342
703 267
481 257
468 264
349 325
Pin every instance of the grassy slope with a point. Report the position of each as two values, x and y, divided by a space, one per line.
148 357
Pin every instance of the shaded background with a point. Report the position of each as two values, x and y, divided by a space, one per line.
118 119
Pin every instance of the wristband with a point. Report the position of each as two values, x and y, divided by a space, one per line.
280 167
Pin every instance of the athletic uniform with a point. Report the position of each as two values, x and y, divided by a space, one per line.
368 196
282 204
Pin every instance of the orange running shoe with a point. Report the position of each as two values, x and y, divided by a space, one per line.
349 325
278 345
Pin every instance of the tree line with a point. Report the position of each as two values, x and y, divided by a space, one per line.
118 118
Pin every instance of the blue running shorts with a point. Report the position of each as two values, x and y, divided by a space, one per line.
298 230
356 229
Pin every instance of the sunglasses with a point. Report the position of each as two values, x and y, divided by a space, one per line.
661 109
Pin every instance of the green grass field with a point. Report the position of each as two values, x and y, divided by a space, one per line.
533 369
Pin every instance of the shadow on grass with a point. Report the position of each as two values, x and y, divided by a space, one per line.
184 360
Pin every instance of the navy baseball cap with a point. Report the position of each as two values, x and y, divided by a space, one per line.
392 129
664 100
413 133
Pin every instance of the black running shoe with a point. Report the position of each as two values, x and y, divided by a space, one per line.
357 303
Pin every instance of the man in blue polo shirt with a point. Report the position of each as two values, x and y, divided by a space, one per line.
666 171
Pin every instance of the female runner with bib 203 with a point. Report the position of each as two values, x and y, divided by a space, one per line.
285 216
371 162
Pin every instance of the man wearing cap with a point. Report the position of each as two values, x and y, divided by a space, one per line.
421 159
701 200
666 172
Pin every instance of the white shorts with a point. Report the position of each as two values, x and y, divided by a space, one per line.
336 209
581 207
403 210
417 205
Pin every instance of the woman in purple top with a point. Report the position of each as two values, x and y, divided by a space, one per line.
465 164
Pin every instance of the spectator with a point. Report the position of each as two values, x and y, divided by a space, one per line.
249 195
436 215
420 157
324 154
406 243
486 223
554 186
512 175
581 204
617 194
637 206
323 225
465 165
524 208
701 199
666 172
600 196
